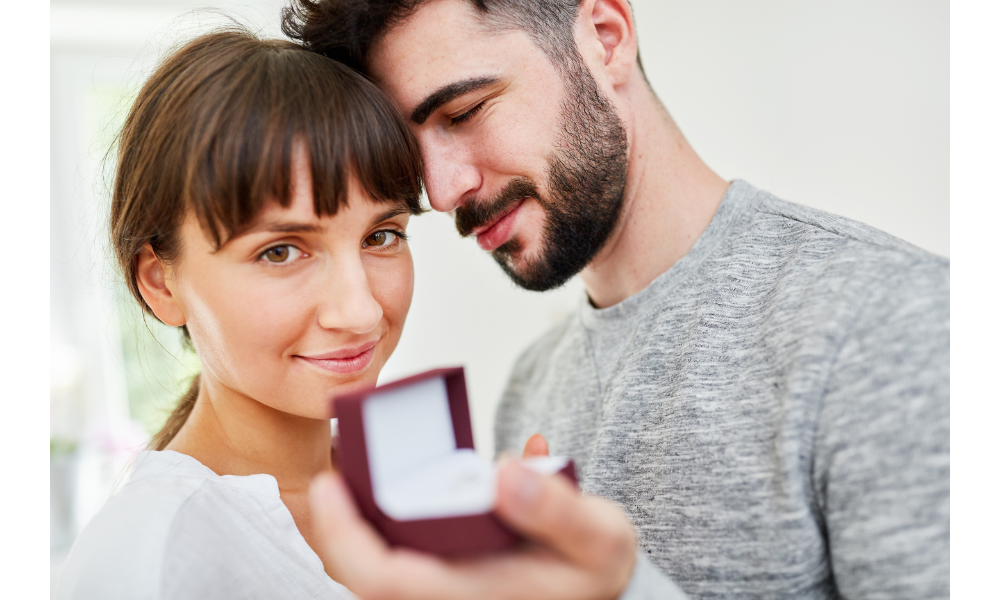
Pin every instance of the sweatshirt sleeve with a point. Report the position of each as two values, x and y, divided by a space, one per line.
882 457
648 583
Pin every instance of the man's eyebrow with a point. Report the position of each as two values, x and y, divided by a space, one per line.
447 94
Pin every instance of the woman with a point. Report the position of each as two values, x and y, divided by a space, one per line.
260 203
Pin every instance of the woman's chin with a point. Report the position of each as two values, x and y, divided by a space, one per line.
364 381
321 385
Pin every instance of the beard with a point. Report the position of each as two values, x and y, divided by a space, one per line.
584 184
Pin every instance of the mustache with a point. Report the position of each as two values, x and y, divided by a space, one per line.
476 213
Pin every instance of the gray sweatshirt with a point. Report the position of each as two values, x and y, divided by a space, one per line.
772 412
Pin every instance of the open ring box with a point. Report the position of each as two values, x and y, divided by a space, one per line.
407 454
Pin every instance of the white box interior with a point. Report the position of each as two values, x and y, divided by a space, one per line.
417 472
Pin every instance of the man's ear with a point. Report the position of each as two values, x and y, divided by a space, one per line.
608 33
155 280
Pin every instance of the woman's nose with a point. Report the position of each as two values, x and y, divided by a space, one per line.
347 302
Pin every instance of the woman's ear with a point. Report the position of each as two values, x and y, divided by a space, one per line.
609 25
155 281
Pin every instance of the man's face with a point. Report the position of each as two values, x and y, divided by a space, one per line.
532 161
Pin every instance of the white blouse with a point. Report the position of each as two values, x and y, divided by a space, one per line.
178 530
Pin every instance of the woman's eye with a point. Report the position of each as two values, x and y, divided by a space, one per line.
381 238
281 254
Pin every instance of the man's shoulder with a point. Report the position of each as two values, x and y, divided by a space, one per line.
788 256
781 221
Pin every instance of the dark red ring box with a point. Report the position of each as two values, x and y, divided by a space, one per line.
404 434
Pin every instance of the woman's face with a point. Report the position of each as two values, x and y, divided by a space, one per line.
298 308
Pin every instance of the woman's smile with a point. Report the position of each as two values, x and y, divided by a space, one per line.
349 359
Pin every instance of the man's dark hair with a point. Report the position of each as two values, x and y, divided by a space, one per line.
583 189
348 30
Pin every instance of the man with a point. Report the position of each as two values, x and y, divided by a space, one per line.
762 388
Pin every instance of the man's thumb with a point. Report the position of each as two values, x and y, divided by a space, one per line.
536 446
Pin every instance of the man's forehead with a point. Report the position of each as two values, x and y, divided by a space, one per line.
443 42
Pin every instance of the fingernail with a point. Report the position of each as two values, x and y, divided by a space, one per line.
523 484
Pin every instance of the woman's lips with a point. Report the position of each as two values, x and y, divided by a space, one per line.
346 360
493 236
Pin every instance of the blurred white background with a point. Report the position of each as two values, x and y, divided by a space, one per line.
843 106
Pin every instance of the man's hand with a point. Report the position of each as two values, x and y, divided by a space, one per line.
536 446
581 546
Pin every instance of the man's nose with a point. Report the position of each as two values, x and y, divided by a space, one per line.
450 174
346 301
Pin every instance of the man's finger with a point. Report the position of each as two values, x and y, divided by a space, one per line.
549 509
355 555
350 546
536 446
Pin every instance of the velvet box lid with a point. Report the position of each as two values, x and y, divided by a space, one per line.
407 454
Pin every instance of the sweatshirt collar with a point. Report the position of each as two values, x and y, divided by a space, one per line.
738 198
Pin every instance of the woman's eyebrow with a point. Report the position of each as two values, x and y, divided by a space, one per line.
273 227
395 211
294 227
286 227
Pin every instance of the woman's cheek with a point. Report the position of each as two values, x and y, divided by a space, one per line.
392 286
237 332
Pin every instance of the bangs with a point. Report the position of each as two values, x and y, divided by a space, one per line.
242 119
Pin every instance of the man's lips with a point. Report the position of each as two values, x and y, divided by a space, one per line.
343 360
493 235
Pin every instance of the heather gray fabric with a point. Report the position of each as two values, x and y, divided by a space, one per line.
772 412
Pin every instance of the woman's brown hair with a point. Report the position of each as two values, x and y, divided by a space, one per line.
212 131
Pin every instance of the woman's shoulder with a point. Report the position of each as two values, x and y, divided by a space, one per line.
122 551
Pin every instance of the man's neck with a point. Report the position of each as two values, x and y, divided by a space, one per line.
670 198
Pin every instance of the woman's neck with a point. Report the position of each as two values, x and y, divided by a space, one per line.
233 434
